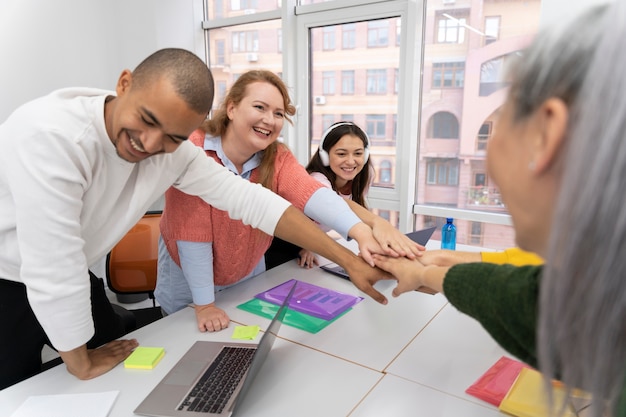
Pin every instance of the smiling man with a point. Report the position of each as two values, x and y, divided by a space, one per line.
78 168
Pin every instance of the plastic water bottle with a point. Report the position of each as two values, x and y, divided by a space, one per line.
448 235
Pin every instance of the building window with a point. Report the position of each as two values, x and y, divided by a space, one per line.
220 52
328 34
220 90
484 133
448 74
442 172
396 80
243 4
247 41
377 33
327 121
348 36
377 81
385 172
375 126
328 82
492 29
347 82
450 29
476 233
443 125
385 214
491 75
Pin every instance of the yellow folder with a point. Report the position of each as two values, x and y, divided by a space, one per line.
528 397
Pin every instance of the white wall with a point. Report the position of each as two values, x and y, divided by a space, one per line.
46 45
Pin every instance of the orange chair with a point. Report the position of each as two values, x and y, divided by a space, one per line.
131 266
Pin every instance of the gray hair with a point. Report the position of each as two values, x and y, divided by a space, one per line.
582 307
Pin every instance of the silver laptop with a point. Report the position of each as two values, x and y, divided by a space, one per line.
212 378
421 236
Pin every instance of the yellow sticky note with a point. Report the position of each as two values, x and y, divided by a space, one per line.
144 357
246 332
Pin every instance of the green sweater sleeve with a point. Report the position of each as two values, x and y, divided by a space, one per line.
503 298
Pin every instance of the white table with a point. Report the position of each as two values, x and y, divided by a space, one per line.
412 357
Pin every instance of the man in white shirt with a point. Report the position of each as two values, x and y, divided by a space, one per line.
78 168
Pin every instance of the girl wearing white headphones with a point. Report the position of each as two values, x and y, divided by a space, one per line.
342 161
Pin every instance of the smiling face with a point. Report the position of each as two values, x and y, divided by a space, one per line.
256 121
142 122
347 158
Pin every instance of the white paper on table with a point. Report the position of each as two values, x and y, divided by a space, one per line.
96 404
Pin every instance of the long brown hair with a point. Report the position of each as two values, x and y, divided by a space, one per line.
217 125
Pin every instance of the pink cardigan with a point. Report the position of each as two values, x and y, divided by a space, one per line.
237 248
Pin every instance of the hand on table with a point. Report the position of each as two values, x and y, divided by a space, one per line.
86 363
211 318
307 259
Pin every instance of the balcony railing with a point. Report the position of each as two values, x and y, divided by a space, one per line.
485 197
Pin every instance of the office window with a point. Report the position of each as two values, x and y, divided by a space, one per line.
328 82
328 38
246 41
448 74
377 33
450 29
492 29
483 136
376 81
442 172
443 125
348 36
375 126
347 82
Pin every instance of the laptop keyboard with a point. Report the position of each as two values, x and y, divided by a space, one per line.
212 392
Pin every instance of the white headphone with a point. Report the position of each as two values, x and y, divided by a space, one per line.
325 158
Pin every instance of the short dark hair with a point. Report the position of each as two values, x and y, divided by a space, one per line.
190 76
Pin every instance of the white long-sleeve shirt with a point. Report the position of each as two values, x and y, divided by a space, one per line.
66 198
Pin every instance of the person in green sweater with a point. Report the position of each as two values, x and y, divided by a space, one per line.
558 155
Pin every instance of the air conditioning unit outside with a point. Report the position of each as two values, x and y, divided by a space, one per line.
319 100
252 57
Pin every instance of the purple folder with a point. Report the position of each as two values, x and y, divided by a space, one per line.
311 299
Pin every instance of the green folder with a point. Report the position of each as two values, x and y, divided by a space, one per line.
292 318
